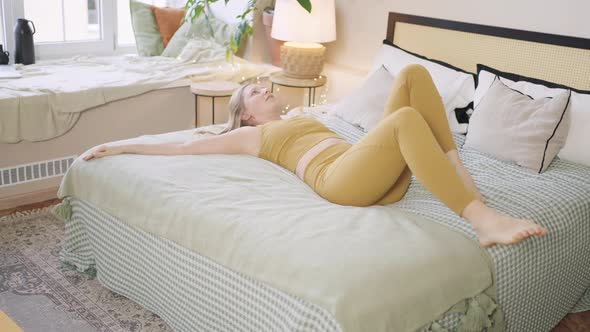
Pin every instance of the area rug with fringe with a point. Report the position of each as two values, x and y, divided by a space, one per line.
38 294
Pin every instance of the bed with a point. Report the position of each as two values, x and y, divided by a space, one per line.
236 243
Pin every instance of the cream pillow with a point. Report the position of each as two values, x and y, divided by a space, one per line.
513 126
364 106
576 146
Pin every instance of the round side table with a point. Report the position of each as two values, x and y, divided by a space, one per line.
212 89
279 78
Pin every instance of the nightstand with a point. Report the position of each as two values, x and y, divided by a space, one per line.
212 89
279 78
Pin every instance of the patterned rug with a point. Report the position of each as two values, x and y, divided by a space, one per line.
39 295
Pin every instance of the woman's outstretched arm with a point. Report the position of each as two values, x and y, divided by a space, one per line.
245 140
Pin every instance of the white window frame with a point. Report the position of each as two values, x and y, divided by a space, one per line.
107 45
2 38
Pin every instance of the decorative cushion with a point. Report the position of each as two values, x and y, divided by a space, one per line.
455 86
364 106
513 126
168 21
148 40
201 51
222 31
576 146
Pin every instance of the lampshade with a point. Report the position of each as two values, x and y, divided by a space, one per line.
293 23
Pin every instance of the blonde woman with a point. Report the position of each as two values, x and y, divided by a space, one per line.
413 137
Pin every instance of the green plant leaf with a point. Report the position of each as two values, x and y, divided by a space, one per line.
306 4
194 8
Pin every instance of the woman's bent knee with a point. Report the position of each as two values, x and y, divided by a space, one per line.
414 71
405 116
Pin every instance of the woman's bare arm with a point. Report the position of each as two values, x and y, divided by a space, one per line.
245 140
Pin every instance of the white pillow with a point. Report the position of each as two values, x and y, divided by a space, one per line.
576 146
364 106
456 87
513 126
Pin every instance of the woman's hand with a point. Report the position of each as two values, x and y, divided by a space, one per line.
103 151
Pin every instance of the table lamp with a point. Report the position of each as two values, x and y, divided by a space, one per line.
302 56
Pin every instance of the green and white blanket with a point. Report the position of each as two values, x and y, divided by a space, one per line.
372 269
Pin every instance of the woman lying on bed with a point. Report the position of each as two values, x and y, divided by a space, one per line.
413 137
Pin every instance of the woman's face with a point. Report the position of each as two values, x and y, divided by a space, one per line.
260 105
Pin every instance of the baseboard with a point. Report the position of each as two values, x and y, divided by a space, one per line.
10 202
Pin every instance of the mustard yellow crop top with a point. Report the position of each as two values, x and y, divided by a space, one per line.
285 141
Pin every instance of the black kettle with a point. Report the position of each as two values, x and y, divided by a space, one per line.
24 51
3 56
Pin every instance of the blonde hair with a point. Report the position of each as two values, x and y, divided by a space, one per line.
234 109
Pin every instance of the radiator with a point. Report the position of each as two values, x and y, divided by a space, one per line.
34 171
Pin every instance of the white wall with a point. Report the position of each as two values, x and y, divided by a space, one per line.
362 24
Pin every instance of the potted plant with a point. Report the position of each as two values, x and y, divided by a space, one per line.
194 8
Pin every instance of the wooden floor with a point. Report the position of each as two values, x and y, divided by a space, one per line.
579 322
29 206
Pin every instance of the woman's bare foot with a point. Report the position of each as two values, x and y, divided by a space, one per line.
466 178
492 227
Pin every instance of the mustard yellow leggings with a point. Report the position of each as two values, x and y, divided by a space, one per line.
411 138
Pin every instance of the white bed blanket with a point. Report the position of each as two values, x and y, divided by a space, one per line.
46 102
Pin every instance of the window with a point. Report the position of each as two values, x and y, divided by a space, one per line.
2 38
65 27
64 21
71 27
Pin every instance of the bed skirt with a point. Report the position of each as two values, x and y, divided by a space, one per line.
192 292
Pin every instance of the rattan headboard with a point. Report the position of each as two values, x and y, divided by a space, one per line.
554 58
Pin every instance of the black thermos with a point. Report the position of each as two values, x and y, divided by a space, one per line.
23 40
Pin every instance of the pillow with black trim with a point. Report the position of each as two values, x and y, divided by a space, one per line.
575 148
455 86
513 126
